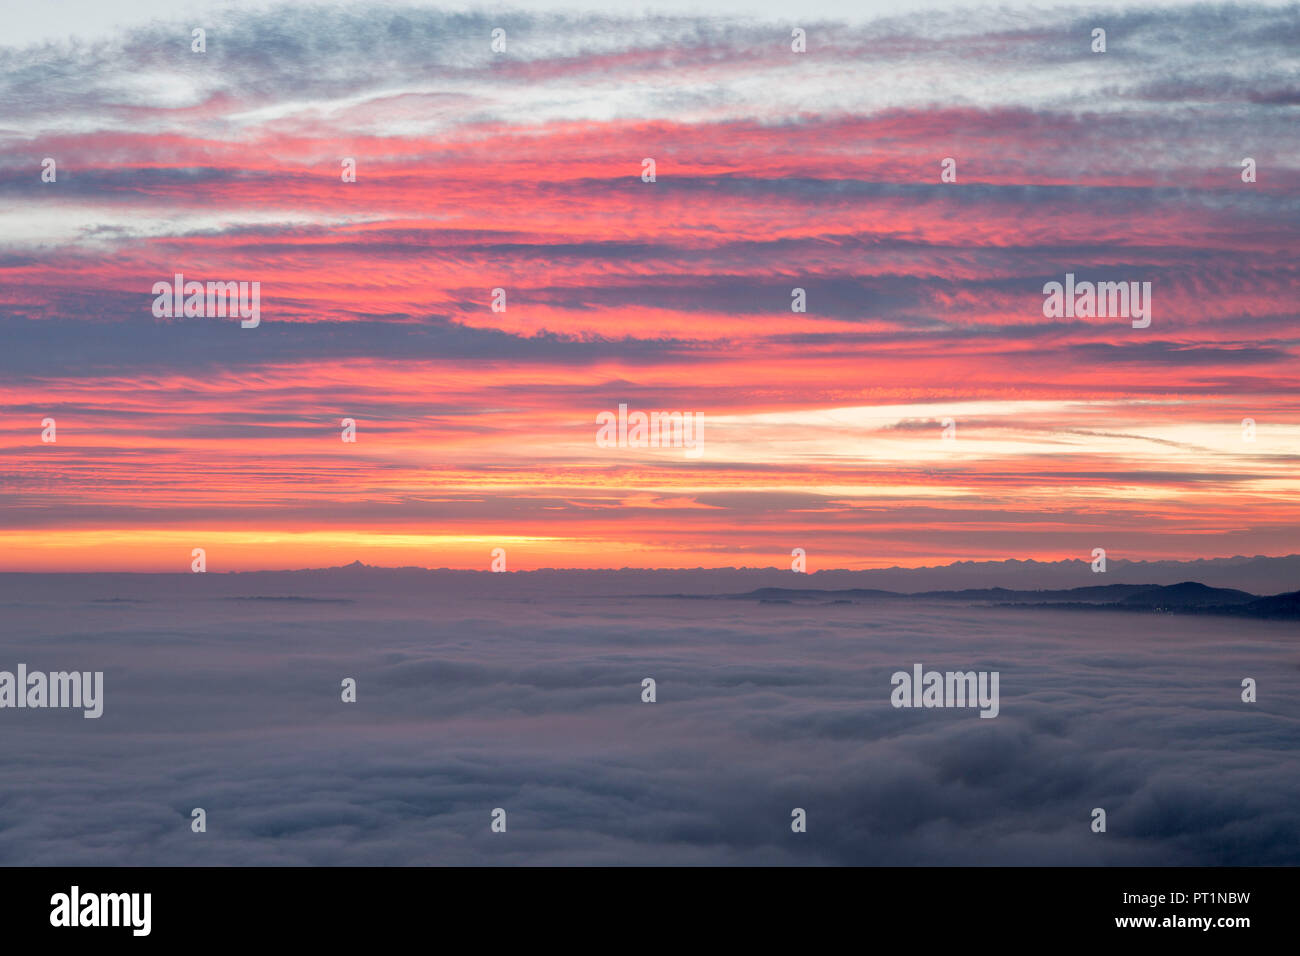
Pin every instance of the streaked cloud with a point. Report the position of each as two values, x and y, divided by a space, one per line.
521 170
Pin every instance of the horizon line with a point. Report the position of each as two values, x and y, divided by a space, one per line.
360 565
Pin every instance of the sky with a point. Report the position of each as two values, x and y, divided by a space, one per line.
522 170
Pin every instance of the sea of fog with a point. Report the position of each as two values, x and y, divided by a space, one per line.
228 698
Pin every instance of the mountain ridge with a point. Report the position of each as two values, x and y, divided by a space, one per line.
1187 597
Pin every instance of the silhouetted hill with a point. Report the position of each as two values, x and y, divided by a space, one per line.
1284 607
1185 597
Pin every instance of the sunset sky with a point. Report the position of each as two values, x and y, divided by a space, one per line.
522 170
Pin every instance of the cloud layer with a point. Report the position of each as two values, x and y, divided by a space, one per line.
533 705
